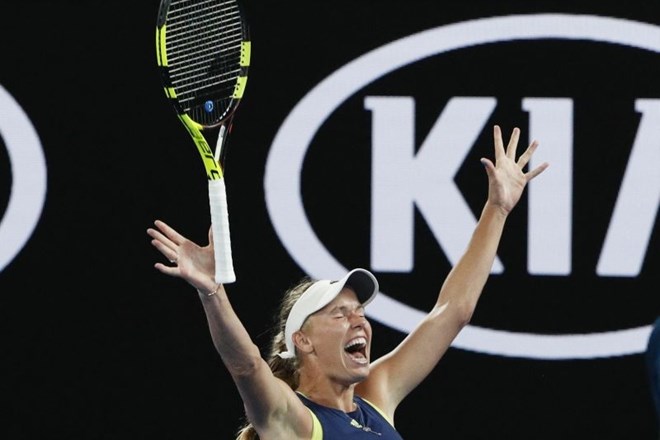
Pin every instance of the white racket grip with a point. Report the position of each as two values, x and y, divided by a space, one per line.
224 265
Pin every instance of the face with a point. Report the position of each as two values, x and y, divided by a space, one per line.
340 337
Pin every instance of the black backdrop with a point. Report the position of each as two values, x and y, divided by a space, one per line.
96 344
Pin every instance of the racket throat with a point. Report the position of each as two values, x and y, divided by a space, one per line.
220 142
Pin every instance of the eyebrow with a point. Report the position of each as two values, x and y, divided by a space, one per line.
345 308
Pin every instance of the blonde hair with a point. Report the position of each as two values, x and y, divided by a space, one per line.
284 369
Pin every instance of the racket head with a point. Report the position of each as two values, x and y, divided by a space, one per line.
203 51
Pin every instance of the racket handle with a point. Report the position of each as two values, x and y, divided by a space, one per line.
224 265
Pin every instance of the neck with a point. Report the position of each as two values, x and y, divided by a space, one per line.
338 396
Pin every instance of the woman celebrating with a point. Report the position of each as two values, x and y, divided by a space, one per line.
319 381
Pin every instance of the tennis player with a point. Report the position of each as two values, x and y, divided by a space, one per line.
319 380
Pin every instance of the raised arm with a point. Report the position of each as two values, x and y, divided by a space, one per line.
269 402
404 368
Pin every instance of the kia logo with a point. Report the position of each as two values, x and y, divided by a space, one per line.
28 171
425 176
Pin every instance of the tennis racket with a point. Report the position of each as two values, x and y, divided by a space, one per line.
203 51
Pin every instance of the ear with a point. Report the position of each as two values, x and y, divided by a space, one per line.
302 342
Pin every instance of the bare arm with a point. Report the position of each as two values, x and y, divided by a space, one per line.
398 373
272 406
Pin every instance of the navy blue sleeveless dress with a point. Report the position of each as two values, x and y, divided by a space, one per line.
365 423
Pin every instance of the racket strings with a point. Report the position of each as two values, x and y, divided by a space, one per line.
204 50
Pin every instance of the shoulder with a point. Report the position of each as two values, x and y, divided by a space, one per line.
291 420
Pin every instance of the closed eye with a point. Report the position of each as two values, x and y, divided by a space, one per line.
343 312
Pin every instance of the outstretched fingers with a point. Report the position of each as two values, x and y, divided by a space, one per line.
524 159
536 171
167 241
170 233
512 147
527 155
498 143
167 251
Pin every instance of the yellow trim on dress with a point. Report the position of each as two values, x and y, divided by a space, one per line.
317 431
379 412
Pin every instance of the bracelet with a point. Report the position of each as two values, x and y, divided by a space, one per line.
210 293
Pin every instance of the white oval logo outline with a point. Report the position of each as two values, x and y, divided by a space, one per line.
285 160
28 168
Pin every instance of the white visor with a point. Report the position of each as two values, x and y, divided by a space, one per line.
320 294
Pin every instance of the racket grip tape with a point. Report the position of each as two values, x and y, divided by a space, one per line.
224 265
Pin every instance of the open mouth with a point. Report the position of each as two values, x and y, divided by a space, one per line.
356 349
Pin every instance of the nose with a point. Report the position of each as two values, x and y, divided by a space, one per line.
358 319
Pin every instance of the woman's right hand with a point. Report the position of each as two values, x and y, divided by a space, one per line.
192 262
